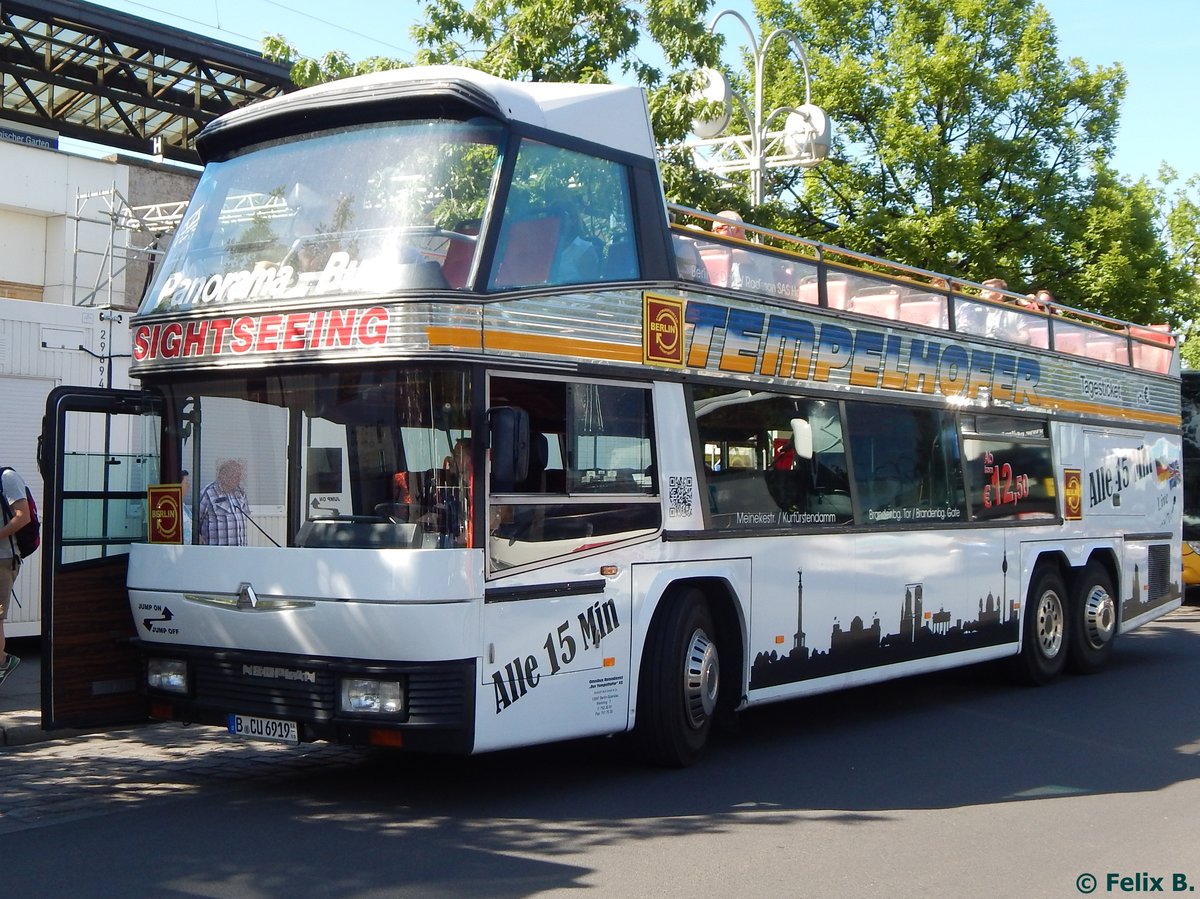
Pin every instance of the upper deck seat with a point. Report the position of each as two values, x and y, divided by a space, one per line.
1072 342
1156 355
528 252
806 291
929 311
879 303
1107 348
457 264
836 292
716 263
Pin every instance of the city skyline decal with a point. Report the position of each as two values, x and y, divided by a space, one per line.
919 635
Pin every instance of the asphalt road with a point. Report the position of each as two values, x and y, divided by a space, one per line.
954 784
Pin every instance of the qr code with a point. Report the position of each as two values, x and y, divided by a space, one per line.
679 497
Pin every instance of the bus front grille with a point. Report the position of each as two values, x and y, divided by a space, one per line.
307 688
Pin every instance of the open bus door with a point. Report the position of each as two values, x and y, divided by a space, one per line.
98 452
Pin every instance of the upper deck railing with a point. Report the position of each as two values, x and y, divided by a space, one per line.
809 273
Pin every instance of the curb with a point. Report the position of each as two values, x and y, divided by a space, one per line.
28 734
23 735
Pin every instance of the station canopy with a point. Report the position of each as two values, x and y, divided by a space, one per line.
121 81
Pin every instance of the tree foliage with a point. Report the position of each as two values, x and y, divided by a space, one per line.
307 71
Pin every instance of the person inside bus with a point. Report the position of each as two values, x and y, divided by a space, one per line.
999 322
1045 301
745 272
223 510
459 479
577 259
688 260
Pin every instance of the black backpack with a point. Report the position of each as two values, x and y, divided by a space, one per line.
29 538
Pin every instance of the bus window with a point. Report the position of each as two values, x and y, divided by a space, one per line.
567 221
1009 468
761 481
356 459
352 211
591 478
906 462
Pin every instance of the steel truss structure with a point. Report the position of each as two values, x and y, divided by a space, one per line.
122 81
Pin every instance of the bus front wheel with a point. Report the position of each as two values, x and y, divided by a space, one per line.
1045 638
677 694
1093 620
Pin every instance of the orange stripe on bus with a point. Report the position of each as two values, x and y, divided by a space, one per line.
463 338
1134 415
561 346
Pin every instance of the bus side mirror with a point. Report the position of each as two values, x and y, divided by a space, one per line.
802 438
509 439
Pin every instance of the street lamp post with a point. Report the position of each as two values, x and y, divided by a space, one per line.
802 140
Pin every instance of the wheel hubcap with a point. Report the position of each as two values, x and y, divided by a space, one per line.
1099 616
700 679
1050 624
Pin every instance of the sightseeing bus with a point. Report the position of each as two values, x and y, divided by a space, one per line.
489 446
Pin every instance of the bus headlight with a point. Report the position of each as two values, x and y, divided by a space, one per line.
170 675
364 696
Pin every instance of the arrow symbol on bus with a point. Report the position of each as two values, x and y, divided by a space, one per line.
167 616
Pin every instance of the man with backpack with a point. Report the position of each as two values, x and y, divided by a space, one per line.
16 515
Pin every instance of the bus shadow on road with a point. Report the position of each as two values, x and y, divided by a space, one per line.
949 739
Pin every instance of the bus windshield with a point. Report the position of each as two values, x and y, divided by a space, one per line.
364 458
351 211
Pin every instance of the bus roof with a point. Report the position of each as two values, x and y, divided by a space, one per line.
582 111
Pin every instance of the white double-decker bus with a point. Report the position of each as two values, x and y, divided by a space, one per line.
525 455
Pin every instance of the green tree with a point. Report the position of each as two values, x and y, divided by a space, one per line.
1178 202
307 71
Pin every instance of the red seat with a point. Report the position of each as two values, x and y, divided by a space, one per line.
1104 348
1070 342
929 311
1038 335
881 304
528 252
457 264
836 290
1155 355
807 292
716 263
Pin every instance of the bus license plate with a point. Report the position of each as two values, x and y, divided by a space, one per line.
264 729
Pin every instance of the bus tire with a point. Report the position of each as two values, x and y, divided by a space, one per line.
1045 636
1093 620
677 692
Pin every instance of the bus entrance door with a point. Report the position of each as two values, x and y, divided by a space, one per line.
98 452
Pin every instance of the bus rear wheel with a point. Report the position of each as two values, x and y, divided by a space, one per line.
677 694
1093 620
1045 639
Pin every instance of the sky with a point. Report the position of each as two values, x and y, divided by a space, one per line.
1157 41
